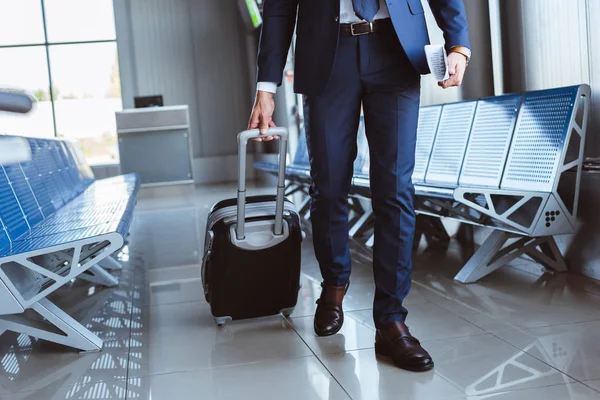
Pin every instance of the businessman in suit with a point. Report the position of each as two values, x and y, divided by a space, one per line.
353 53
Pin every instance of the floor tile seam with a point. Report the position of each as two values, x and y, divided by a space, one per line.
129 339
469 322
478 312
483 331
455 337
472 296
592 293
340 352
148 305
221 367
427 288
520 329
497 393
584 383
345 312
451 383
542 361
523 389
319 359
112 380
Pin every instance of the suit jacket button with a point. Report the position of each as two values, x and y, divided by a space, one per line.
337 19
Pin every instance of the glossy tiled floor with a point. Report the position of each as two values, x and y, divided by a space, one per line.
512 336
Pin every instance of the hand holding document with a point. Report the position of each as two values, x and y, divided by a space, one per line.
437 59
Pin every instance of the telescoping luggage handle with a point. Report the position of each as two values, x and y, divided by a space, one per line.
243 138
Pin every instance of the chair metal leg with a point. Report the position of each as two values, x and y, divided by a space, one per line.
437 229
481 263
493 254
99 276
360 223
70 332
549 256
371 241
304 207
110 263
293 188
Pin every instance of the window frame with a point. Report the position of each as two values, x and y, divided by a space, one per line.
46 45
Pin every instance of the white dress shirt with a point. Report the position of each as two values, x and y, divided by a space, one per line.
347 16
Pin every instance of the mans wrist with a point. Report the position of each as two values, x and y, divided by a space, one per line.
263 94
270 87
465 51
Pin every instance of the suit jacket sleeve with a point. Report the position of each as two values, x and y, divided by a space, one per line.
451 17
279 20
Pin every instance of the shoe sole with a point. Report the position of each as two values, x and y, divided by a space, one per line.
329 333
382 351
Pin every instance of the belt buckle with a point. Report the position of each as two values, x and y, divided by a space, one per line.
363 33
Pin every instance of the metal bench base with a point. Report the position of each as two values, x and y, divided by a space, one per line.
493 254
110 263
70 261
99 276
59 328
80 260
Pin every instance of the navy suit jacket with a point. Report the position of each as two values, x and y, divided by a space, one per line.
317 34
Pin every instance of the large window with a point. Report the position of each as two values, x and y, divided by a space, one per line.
64 53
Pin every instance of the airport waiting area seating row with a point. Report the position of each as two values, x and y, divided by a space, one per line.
57 223
510 163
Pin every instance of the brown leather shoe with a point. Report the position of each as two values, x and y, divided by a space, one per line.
329 316
394 340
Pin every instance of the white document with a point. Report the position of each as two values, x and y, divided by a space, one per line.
437 59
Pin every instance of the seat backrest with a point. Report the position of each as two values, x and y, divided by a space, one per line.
47 171
69 172
362 158
33 190
86 175
301 158
37 183
4 241
429 118
539 139
23 193
60 173
490 138
450 143
11 214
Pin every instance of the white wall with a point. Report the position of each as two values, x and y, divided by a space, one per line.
192 52
552 43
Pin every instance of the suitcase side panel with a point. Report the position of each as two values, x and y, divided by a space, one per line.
246 284
265 207
249 200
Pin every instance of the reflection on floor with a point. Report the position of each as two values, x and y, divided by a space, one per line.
512 336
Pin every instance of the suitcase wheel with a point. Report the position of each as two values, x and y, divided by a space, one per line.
220 321
287 311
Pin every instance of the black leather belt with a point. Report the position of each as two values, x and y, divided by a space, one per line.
364 28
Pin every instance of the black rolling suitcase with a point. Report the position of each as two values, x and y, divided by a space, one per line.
252 269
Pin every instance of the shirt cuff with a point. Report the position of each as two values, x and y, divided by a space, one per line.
270 87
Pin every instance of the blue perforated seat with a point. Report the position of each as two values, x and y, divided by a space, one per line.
505 162
360 178
57 223
298 169
53 199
